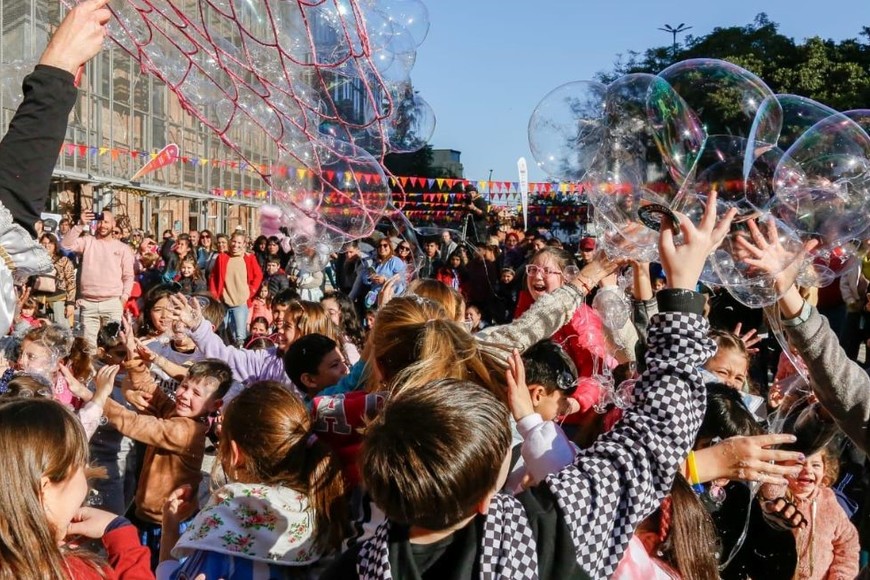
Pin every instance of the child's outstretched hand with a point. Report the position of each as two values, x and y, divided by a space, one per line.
140 399
768 255
684 262
751 459
189 312
179 506
749 340
105 382
146 354
75 385
519 398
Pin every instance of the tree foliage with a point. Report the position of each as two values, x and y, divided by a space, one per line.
836 73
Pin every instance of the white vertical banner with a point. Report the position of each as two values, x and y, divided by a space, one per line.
523 170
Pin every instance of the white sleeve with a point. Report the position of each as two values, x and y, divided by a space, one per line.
546 449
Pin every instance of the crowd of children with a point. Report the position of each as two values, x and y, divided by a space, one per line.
421 447
487 419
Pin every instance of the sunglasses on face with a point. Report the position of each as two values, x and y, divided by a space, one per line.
403 249
384 245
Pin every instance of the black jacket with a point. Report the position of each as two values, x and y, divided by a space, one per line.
29 150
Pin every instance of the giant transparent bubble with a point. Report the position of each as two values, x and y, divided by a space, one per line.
316 80
566 130
725 97
823 183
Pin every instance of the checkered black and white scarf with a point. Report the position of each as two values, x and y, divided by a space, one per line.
508 546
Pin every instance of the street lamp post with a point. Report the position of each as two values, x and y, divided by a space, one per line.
675 31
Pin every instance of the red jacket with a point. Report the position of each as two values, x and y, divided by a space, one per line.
128 559
219 272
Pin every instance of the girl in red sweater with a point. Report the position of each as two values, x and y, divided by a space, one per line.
43 483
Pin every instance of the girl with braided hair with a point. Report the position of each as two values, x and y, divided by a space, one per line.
678 540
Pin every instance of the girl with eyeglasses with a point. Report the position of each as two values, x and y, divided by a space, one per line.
583 337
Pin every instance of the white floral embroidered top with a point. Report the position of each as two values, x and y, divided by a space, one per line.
259 522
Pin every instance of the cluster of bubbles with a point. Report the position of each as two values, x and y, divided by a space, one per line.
326 81
666 141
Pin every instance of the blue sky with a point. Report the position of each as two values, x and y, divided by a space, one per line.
487 63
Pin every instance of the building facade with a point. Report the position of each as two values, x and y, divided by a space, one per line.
122 118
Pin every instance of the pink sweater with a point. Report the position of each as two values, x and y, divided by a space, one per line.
107 266
828 547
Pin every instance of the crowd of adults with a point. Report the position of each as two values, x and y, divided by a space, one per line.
494 403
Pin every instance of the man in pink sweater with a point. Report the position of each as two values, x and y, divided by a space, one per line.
106 273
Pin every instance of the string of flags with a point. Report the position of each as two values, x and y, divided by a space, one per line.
436 189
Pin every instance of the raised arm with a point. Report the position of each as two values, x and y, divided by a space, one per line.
622 478
547 315
245 364
28 151
175 434
841 385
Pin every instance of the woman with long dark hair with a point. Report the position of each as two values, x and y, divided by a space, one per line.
62 297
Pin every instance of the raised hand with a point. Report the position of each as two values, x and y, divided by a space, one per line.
684 262
749 459
79 37
189 312
749 340
105 382
519 398
767 254
75 386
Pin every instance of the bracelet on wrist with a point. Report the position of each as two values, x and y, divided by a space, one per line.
802 316
693 473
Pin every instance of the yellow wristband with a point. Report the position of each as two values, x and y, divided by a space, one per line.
693 469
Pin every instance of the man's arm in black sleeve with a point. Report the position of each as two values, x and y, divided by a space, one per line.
29 150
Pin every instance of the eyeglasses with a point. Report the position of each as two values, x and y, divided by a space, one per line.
404 249
532 270
383 245
205 236
116 232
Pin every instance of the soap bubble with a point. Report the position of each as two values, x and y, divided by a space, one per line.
566 130
798 115
339 186
678 131
412 15
726 97
612 307
305 79
11 77
823 183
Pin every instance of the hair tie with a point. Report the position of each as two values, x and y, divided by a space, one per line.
311 440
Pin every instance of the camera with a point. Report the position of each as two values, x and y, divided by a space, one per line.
98 216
